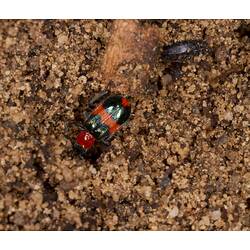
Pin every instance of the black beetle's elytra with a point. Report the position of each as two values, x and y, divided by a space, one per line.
184 50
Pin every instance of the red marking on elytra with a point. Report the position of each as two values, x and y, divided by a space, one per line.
125 102
106 118
98 110
85 139
113 128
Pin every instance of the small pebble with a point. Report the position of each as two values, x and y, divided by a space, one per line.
205 221
239 108
62 39
166 79
220 54
191 89
174 212
228 116
216 215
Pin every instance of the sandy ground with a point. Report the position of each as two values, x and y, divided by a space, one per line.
181 163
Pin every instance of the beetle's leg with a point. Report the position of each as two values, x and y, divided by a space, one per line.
98 98
86 115
79 149
81 122
107 140
131 117
129 97
81 126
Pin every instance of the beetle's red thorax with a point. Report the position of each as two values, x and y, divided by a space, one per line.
85 139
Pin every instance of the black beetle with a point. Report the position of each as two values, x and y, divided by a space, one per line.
184 50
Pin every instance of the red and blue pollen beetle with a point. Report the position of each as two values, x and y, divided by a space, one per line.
104 121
